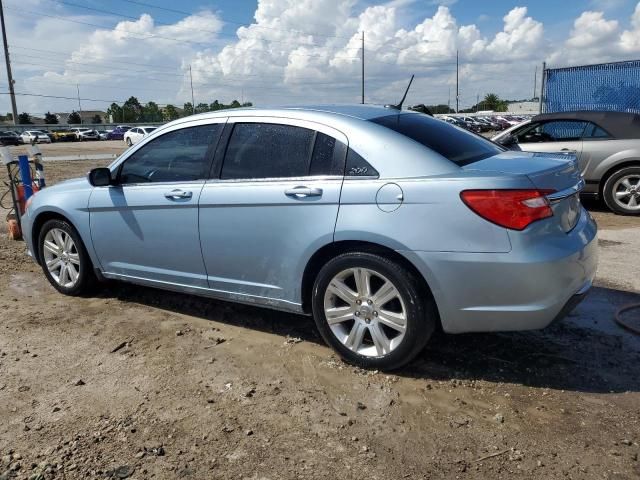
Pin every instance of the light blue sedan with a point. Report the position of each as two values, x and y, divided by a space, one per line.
382 224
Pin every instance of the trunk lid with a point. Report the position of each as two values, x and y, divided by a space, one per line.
547 171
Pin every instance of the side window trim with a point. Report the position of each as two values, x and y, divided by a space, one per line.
596 126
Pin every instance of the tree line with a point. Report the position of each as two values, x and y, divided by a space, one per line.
132 111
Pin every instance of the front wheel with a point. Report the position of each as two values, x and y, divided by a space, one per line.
64 260
129 142
621 191
372 311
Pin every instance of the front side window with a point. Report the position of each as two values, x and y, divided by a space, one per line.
459 146
268 150
554 131
177 156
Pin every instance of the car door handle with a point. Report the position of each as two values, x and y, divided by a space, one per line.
568 150
178 194
303 192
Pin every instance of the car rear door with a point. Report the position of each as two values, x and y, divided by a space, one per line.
145 226
555 136
272 202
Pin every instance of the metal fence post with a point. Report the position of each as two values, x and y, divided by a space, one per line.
542 85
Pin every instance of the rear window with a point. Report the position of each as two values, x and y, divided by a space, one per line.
459 146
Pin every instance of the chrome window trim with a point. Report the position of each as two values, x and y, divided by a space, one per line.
158 133
276 179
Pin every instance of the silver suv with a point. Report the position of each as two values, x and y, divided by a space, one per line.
606 144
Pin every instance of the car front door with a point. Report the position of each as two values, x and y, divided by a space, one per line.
273 202
555 136
145 226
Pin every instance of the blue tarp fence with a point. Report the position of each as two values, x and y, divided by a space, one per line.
605 87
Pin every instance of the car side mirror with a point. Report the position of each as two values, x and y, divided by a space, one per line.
100 177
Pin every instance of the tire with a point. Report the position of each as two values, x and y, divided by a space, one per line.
621 191
73 256
373 342
129 142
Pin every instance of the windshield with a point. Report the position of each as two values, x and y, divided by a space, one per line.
457 145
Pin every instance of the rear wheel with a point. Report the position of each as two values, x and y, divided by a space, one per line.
64 259
129 142
372 311
621 191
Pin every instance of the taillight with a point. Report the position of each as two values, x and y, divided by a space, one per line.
514 209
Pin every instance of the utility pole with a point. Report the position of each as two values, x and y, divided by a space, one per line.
457 84
449 100
193 102
477 101
535 81
542 80
79 105
362 67
12 93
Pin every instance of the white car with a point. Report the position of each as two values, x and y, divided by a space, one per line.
86 134
35 136
136 134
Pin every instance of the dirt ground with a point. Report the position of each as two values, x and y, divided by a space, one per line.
138 383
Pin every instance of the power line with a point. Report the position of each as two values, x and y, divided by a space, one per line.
150 36
217 33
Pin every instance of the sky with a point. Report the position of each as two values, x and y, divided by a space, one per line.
283 52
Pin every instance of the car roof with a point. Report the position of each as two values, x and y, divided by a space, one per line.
618 124
358 111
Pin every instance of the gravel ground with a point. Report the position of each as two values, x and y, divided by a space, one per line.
137 383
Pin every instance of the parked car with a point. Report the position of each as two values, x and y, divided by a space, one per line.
606 144
37 136
84 134
382 224
104 134
62 135
9 138
117 133
135 134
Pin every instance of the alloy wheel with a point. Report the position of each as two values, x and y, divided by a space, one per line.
626 192
365 312
61 257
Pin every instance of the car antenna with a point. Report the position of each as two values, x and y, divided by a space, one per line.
399 106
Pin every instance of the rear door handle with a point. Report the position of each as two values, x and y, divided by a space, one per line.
568 150
303 192
178 194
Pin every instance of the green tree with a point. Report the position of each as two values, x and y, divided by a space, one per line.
96 119
132 110
50 118
491 101
215 106
170 113
202 108
24 119
115 112
235 104
74 117
151 112
10 117
247 104
188 108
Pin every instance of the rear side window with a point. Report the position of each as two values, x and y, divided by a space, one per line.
594 131
459 146
267 150
553 131
358 166
180 155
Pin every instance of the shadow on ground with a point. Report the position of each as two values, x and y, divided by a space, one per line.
585 352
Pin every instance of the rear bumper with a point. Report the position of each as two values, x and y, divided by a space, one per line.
524 289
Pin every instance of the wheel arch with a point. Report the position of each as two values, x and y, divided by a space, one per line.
38 222
613 169
331 250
